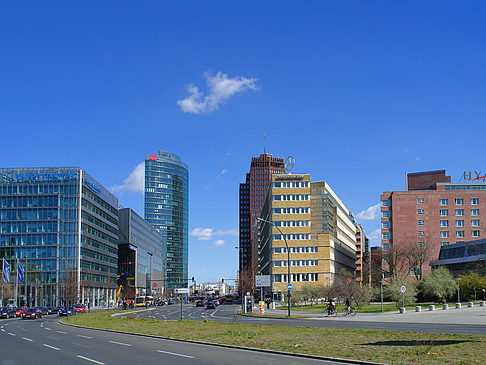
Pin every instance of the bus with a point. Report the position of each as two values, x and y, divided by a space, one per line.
143 301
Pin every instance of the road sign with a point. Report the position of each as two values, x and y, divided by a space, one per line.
289 287
262 280
403 289
182 291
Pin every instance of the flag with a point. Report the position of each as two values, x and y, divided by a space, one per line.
6 271
20 273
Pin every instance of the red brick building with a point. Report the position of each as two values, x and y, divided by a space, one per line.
431 213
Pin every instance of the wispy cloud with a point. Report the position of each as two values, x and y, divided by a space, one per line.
215 178
135 182
205 234
370 214
218 243
375 235
220 89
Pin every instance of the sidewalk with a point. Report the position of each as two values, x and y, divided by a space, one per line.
465 315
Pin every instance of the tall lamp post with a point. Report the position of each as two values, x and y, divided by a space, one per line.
458 293
288 261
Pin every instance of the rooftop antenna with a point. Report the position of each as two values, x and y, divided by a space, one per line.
264 146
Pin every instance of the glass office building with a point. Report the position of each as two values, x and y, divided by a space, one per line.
62 226
166 208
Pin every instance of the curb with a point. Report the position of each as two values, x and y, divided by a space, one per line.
253 349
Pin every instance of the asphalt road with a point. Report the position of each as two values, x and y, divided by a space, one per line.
45 341
228 313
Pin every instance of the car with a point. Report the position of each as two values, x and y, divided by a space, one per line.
211 305
43 310
80 308
53 310
199 303
7 312
32 313
67 311
19 311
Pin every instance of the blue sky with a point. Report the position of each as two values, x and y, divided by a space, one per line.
358 92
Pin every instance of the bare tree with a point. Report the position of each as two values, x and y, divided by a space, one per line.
68 283
393 262
417 251
7 291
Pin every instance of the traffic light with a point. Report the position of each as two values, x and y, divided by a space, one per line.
193 279
222 281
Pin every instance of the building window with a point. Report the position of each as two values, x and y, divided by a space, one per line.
444 223
386 235
420 200
386 203
277 250
444 202
475 233
386 213
444 212
386 225
474 222
459 234
421 211
459 212
460 223
444 243
276 184
459 201
474 201
420 222
474 212
421 233
444 234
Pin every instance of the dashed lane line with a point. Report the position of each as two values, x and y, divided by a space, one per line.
51 347
92 360
175 354
27 339
85 336
12 334
64 333
120 343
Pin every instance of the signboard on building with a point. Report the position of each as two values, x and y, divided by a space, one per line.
262 280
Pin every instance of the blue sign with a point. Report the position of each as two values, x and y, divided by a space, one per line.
46 176
93 186
289 287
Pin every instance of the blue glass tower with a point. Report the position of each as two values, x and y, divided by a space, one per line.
166 208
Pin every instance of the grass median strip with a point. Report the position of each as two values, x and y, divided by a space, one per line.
394 347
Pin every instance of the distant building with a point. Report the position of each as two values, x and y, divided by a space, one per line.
320 232
363 267
431 213
464 258
252 195
62 225
141 256
167 208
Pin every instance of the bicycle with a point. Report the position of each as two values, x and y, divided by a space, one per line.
331 312
349 311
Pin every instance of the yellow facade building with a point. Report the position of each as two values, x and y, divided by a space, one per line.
319 229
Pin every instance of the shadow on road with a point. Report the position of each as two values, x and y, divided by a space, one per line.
418 343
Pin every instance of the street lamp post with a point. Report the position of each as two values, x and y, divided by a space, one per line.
458 293
474 279
288 261
381 291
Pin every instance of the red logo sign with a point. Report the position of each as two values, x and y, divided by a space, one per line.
153 157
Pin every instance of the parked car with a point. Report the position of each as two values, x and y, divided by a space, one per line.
67 311
19 311
43 310
199 303
32 313
211 305
53 310
7 312
80 308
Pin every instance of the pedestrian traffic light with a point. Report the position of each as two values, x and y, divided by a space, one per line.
222 281
193 279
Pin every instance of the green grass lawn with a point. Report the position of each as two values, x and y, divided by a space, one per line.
367 308
392 347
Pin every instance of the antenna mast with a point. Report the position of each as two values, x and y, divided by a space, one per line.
264 146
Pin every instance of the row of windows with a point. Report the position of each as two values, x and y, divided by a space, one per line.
457 201
29 201
39 189
292 223
296 278
458 212
307 249
291 184
291 210
28 214
283 263
294 236
460 234
460 223
291 197
28 227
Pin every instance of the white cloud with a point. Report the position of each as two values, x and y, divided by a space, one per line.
135 182
220 89
417 158
375 235
218 243
205 234
370 214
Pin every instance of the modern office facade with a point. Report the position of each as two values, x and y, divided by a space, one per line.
463 258
166 209
319 230
62 225
252 195
432 212
141 256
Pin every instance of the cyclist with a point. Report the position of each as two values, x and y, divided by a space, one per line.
331 307
348 305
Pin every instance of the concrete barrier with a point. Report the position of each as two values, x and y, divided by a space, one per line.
482 304
458 305
402 310
431 308
418 308
445 306
470 304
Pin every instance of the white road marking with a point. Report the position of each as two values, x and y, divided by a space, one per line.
64 333
48 329
3 330
85 336
88 359
175 354
12 334
120 343
27 339
51 347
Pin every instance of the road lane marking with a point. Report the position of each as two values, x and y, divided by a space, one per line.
88 359
64 333
175 354
51 347
12 334
85 336
27 339
3 330
120 343
48 329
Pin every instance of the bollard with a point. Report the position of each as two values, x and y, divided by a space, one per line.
482 303
445 306
418 308
431 308
403 310
470 304
458 305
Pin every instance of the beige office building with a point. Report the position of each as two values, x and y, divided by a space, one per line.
319 229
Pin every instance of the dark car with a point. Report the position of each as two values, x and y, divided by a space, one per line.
211 305
199 303
32 313
7 312
67 311
43 310
52 310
